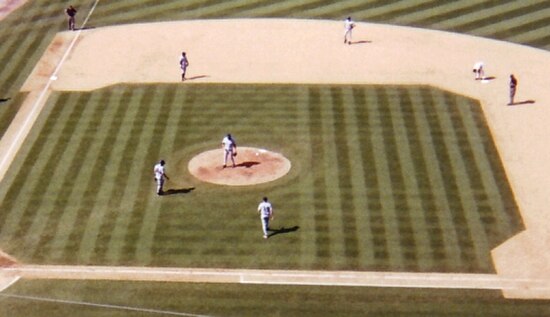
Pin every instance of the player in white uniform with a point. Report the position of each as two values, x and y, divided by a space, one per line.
266 212
160 174
229 149
183 65
348 26
479 71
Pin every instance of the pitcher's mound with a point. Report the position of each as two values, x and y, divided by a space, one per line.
253 166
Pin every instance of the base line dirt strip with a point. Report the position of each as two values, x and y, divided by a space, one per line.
279 277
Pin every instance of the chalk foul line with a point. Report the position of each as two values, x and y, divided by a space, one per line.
280 277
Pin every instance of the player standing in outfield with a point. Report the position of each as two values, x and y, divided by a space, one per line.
160 174
348 26
183 65
229 148
266 213
513 85
71 12
479 71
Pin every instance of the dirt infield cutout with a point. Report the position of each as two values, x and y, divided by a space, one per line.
280 54
253 166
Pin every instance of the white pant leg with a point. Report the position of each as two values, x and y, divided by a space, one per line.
160 184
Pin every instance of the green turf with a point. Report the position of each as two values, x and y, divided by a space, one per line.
383 178
38 299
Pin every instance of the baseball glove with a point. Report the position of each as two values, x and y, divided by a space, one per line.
234 153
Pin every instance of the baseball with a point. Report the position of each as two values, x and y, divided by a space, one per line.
257 153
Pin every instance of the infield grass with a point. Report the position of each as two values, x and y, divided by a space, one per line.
382 178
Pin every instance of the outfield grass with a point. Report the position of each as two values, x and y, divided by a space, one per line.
383 178
252 300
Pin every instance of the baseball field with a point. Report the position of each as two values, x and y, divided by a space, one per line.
412 190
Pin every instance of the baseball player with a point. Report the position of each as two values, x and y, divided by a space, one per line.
160 174
479 71
513 85
183 65
71 12
266 213
348 26
229 148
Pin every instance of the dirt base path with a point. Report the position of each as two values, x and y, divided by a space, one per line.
298 51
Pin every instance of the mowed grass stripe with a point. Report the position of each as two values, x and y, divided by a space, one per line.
62 210
525 30
12 71
121 202
333 191
398 211
450 184
320 204
101 163
132 129
487 197
11 216
412 215
158 145
155 235
105 112
389 218
40 179
430 237
395 12
231 8
440 217
357 9
496 14
308 245
374 211
449 12
467 177
344 171
358 200
8 111
58 176
507 205
297 6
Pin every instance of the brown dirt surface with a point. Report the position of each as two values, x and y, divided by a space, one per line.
305 51
253 166
6 260
8 6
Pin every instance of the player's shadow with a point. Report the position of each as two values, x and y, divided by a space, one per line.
282 230
359 42
196 77
178 191
519 103
85 28
488 78
247 164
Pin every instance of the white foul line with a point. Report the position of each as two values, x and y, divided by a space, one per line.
281 277
29 120
120 307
